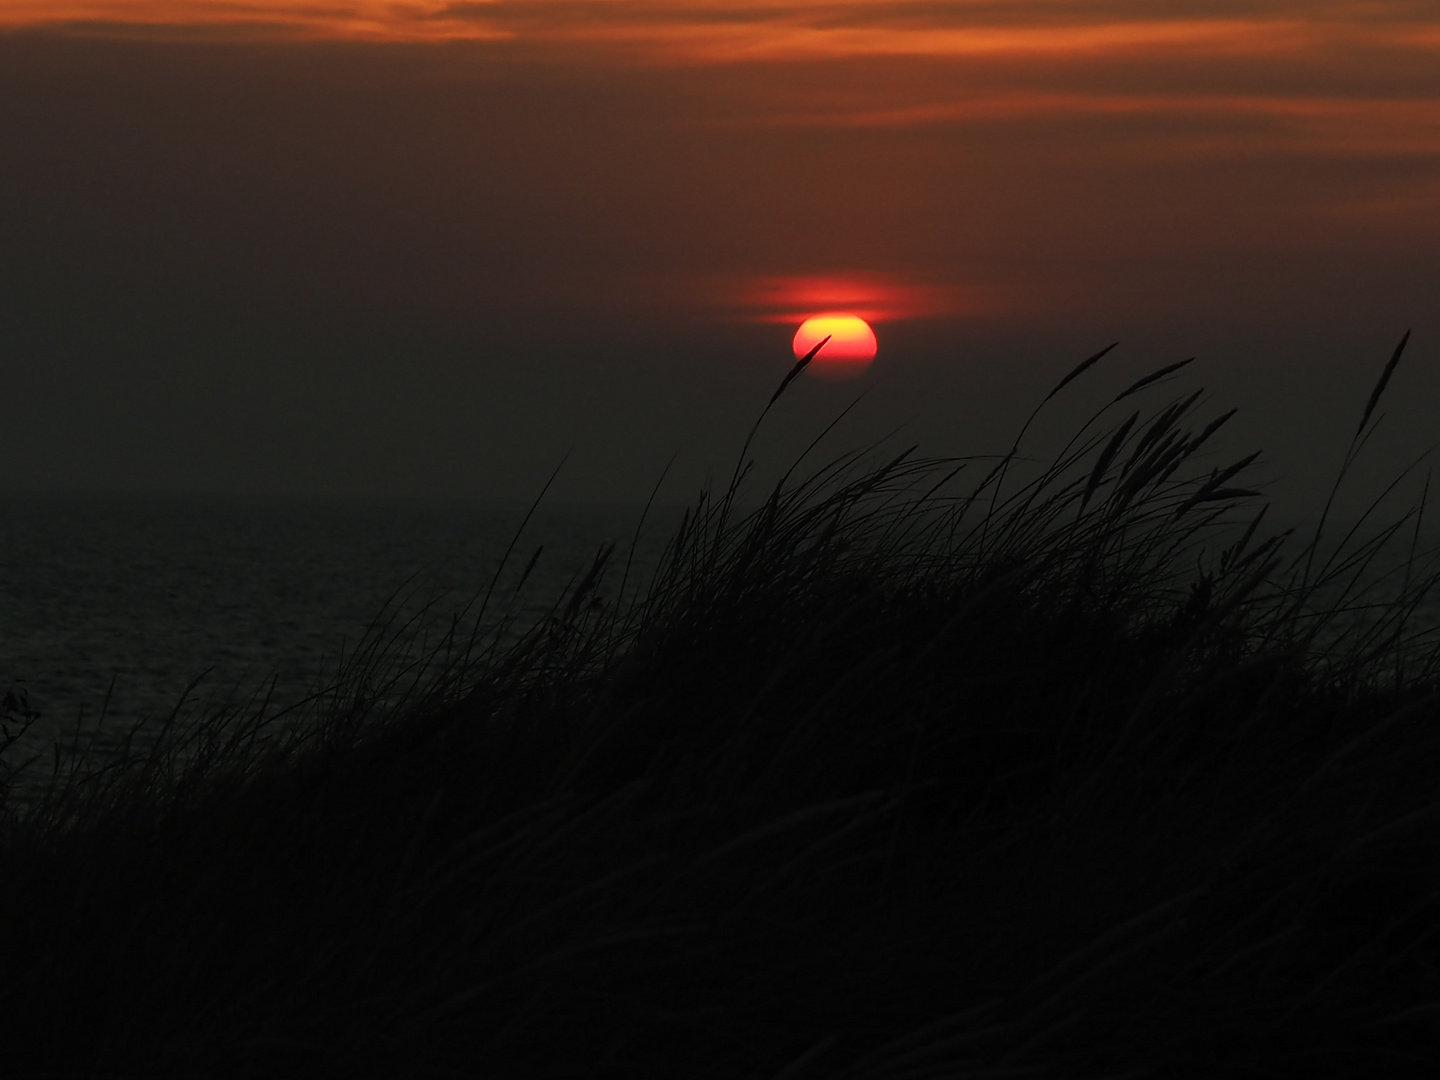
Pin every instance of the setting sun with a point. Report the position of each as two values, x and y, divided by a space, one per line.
848 352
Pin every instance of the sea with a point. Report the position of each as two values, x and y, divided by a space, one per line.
122 605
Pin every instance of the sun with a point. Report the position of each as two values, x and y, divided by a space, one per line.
847 354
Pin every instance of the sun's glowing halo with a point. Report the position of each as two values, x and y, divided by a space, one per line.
848 352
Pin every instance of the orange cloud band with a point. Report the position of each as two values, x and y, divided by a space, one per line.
343 20
739 30
1349 126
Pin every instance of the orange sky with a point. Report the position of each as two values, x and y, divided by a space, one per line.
1315 76
1026 169
1326 73
1198 80
749 29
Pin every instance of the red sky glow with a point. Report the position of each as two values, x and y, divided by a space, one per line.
872 297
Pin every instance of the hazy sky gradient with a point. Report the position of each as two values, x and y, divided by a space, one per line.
426 248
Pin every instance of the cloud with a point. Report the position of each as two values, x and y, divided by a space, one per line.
712 31
1308 123
875 297
281 20
1314 75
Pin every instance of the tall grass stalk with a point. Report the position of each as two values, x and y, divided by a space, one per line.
1068 772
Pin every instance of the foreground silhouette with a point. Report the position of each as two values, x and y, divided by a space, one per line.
1080 774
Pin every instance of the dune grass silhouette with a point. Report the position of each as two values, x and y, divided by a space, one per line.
893 775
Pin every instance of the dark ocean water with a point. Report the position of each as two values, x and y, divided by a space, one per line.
121 602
